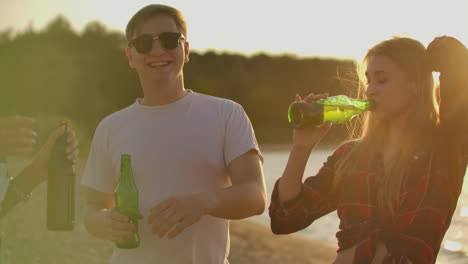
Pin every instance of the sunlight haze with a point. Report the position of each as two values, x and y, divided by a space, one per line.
306 28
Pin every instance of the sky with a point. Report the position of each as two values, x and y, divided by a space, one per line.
337 28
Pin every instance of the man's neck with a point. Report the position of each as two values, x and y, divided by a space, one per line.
161 93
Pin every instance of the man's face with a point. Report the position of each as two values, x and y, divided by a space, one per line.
158 63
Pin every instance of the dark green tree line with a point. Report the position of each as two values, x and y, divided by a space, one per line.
85 76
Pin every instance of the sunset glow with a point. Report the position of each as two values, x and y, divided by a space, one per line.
306 28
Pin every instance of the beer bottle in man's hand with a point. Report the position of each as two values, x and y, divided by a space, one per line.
126 200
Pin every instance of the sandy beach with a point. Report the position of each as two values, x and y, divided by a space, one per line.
255 243
26 240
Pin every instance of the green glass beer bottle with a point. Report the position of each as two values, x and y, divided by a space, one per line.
126 200
60 187
338 109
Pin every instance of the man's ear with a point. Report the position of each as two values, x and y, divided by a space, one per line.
129 54
186 51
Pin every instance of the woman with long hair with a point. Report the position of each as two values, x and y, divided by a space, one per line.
396 186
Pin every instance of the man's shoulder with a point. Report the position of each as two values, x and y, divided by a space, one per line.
116 117
215 100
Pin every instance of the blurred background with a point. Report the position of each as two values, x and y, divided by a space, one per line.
65 59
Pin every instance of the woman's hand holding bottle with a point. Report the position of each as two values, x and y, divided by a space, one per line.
308 138
304 140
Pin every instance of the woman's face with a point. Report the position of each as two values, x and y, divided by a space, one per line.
389 87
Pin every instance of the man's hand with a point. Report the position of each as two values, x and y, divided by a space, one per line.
110 225
17 136
103 221
175 214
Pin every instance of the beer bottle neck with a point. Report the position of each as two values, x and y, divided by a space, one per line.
345 101
126 174
362 104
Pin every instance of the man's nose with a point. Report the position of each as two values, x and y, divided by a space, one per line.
157 46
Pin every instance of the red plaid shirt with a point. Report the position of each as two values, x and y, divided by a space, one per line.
427 202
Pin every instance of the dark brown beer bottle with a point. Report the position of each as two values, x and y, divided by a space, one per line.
61 187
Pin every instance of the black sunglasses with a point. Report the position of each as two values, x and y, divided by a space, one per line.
168 40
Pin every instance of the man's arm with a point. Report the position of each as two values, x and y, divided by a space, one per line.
246 197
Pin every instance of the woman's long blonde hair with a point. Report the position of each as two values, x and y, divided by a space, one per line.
421 121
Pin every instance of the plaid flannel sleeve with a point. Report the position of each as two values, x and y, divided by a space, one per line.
314 200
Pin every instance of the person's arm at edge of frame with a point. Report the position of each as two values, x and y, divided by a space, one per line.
35 173
20 188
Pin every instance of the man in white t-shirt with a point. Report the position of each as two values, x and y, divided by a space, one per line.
195 158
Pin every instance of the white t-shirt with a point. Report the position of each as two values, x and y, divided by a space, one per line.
179 148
